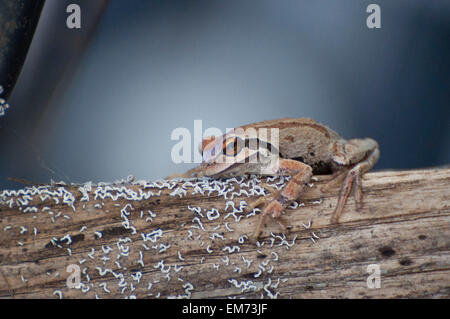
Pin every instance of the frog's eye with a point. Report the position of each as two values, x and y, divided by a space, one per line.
232 146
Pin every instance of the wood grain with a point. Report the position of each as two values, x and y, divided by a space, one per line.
149 240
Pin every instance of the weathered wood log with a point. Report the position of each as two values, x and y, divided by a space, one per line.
191 239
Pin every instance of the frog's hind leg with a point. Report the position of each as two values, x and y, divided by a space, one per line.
360 155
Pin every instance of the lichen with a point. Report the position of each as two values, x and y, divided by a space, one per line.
138 261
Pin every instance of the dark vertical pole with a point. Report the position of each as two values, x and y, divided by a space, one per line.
18 21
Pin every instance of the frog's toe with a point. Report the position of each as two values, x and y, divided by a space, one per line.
274 209
257 203
264 200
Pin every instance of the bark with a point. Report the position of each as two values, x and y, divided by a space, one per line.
190 239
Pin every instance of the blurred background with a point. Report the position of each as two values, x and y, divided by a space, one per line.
100 103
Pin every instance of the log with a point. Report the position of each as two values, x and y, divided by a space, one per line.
191 239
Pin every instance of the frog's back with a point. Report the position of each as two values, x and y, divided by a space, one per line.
303 139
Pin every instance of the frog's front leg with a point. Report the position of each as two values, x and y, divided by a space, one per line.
355 157
301 175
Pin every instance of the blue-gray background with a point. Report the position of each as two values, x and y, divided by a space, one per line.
100 103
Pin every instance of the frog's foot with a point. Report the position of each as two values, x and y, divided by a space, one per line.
263 200
273 208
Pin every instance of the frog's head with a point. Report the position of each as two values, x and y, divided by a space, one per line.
237 148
